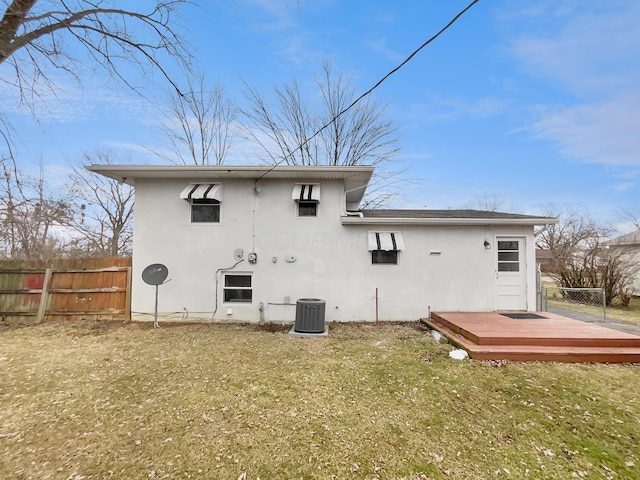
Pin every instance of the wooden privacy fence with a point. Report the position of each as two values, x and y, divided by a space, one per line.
76 289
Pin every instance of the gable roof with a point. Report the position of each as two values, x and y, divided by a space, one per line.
443 217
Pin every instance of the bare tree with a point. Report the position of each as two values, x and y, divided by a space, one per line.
33 36
291 131
199 125
583 258
487 202
39 37
104 211
360 135
631 216
333 131
283 131
31 217
566 237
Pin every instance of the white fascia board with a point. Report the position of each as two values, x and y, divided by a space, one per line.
352 175
355 178
446 221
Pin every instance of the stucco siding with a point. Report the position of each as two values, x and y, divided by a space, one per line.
440 267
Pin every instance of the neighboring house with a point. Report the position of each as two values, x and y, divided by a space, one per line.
630 245
243 243
544 259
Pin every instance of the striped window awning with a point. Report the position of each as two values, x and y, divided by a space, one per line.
386 241
306 192
199 191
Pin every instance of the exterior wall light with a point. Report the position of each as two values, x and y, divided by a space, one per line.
487 245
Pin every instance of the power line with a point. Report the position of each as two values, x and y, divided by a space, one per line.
368 92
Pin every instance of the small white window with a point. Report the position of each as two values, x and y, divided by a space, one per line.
237 288
388 257
307 209
205 211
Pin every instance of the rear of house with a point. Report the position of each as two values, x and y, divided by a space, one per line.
243 243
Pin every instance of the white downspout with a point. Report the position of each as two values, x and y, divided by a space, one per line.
542 230
347 213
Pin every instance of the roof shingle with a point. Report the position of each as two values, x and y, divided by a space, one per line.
478 214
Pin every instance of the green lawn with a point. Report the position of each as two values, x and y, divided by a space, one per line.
94 401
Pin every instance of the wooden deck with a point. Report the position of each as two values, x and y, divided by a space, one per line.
554 338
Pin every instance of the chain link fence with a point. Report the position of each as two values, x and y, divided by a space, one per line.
589 302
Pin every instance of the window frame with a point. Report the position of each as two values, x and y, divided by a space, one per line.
237 288
204 202
394 257
508 256
306 204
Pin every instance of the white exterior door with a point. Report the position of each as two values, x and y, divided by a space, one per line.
511 274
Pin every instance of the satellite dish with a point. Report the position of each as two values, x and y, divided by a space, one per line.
155 274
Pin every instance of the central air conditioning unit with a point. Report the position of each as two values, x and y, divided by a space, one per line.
310 315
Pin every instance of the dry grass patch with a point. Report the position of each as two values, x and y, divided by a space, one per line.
225 401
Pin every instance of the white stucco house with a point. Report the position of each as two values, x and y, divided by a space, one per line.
243 243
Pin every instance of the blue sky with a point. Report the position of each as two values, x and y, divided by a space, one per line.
531 102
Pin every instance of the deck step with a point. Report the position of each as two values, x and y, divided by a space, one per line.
544 353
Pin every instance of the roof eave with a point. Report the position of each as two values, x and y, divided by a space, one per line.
623 244
239 171
350 220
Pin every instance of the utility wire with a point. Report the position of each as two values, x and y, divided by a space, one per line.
368 92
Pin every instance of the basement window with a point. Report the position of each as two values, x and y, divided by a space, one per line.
237 288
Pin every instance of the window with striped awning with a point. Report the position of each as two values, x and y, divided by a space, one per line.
204 201
307 197
385 247
202 191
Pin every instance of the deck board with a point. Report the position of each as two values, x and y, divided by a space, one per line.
492 336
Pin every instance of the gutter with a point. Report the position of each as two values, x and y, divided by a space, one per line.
350 220
542 230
